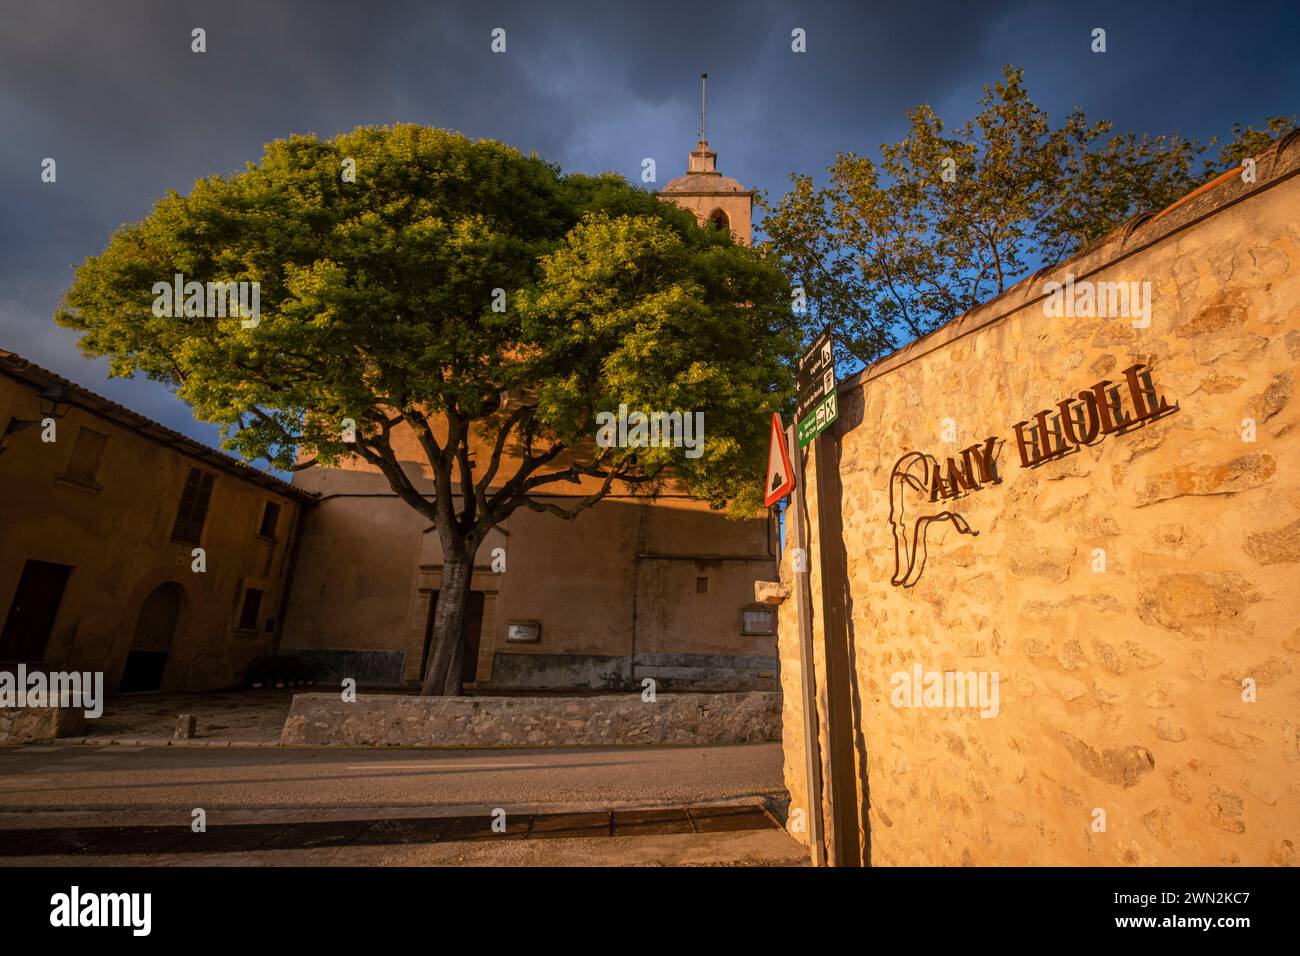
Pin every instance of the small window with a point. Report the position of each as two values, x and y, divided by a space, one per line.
701 585
718 220
270 519
87 454
252 607
193 511
757 621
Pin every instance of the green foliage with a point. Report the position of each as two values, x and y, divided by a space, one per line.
631 311
889 250
377 306
1248 141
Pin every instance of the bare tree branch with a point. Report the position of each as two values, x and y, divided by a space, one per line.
503 435
379 452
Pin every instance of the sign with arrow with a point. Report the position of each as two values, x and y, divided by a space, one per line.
818 419
815 381
815 376
780 476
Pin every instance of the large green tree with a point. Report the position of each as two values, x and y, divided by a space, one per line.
464 291
890 249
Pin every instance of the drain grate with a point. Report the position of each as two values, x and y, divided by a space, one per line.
246 837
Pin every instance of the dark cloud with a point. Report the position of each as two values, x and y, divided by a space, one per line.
112 91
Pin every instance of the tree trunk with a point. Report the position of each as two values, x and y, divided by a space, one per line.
447 644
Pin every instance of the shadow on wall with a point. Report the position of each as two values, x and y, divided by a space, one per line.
852 417
367 668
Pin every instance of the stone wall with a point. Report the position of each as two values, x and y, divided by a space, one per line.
39 725
1127 595
605 720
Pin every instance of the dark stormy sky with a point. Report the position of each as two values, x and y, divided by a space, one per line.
111 90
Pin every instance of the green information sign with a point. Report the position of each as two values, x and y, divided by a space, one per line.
815 422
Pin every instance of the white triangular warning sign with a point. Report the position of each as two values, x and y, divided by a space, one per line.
780 476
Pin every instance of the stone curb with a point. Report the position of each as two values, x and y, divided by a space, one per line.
161 742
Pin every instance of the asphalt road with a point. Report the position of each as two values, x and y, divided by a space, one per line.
136 785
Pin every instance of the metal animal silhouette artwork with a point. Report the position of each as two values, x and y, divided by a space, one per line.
918 472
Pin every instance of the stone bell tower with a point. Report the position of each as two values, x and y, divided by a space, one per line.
718 201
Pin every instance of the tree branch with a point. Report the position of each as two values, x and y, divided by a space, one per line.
502 437
582 505
379 453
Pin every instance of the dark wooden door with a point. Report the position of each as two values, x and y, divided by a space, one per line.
473 629
31 616
154 630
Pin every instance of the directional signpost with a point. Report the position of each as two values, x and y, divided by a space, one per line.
812 425
817 407
815 381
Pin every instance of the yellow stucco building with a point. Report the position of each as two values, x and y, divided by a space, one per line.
130 549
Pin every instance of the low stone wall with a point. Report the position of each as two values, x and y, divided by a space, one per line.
607 720
36 725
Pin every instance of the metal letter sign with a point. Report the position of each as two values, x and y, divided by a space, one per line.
780 476
815 380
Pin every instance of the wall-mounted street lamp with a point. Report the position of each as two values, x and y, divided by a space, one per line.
54 405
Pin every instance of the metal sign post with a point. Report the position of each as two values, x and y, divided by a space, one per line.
818 407
808 675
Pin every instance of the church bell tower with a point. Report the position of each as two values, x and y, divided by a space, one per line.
718 201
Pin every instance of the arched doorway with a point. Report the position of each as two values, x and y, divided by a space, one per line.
154 629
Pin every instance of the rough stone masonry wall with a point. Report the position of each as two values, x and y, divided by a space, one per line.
604 720
1120 690
39 725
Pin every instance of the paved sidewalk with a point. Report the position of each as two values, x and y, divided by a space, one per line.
235 718
225 718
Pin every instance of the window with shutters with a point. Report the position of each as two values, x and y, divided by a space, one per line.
193 510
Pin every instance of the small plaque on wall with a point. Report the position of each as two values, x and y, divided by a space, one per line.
524 632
